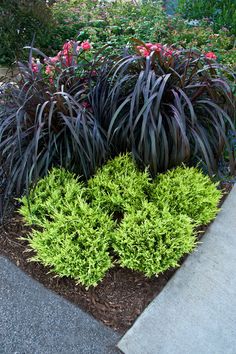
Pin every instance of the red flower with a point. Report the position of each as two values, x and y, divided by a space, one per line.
86 45
210 55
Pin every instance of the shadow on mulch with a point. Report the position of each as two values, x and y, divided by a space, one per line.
116 301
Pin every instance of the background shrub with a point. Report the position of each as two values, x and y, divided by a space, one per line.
19 21
187 191
151 240
113 23
107 22
222 12
202 35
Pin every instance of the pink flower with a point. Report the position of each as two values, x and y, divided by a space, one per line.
144 52
210 55
157 47
148 45
35 68
55 59
48 70
66 52
34 65
85 45
67 48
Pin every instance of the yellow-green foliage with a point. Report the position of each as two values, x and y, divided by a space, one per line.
151 241
187 191
77 245
80 237
119 186
57 192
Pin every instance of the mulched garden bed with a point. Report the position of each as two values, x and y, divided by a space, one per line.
116 301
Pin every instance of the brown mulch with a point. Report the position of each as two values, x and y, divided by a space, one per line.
116 301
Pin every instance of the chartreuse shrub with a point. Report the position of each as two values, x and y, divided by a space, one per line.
76 245
118 216
152 241
60 191
119 186
187 191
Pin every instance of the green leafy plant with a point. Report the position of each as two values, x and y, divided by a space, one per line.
20 20
201 35
119 216
152 241
186 191
106 22
222 12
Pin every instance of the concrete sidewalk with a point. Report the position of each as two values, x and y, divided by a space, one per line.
34 320
196 311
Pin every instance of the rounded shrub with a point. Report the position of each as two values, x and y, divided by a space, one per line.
76 245
119 186
185 190
59 191
151 242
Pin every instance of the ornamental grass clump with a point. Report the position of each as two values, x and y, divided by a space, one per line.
168 106
46 120
119 186
187 191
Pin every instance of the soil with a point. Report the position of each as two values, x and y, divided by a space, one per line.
116 301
